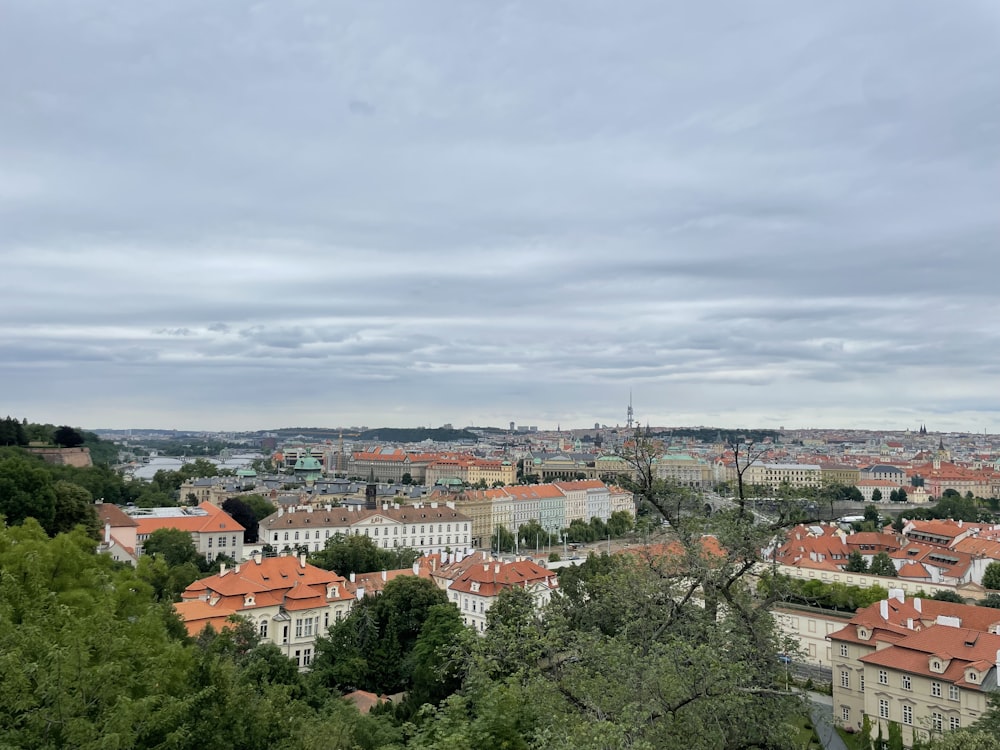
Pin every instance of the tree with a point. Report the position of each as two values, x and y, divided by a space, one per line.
894 496
990 600
902 496
991 576
357 553
174 545
882 565
856 563
945 595
67 437
243 515
407 478
877 495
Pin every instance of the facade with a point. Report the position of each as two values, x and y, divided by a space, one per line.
386 464
810 628
428 528
773 476
476 589
927 665
213 531
684 470
289 602
119 540
844 474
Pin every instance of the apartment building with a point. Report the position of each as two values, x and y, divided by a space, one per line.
213 531
773 476
476 589
426 527
926 665
290 602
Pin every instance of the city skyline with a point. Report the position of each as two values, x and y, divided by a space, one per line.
231 217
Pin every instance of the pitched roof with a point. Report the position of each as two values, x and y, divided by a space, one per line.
108 513
490 578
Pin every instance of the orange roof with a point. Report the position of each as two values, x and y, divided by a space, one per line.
958 648
492 577
215 519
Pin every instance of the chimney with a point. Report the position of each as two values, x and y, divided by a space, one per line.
107 533
883 609
416 567
897 594
237 569
909 623
255 556
360 593
222 569
486 567
353 577
496 569
384 575
302 559
917 604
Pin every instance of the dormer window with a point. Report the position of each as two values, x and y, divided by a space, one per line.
475 587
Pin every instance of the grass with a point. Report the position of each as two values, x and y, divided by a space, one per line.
805 735
851 739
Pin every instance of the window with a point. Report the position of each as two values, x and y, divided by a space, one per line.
936 689
883 708
275 536
907 714
298 627
954 723
284 634
906 682
845 679
298 658
883 677
306 657
262 630
296 536
222 541
286 536
845 713
953 692
843 649
936 721
861 686
309 627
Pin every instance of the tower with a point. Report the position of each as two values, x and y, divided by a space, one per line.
629 414
371 492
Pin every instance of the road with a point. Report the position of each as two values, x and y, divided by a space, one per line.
821 711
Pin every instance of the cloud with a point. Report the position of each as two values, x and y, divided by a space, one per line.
244 215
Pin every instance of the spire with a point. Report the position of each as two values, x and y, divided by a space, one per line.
630 415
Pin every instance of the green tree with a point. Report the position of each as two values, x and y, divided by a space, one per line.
407 478
894 496
244 515
620 524
876 495
26 489
871 512
902 497
991 576
945 595
435 661
174 545
990 600
67 437
882 565
856 563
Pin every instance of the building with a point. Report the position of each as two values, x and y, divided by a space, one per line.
119 538
428 528
289 602
476 590
683 470
925 664
773 476
213 531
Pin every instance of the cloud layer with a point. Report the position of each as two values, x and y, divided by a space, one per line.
240 216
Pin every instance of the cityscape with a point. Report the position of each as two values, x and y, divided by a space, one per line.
530 376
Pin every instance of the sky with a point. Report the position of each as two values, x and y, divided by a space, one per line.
236 215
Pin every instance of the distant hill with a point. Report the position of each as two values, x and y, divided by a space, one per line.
417 434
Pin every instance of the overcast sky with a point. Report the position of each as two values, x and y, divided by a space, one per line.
241 215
